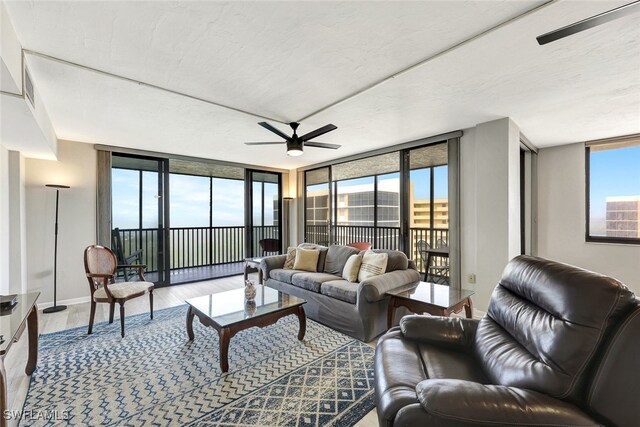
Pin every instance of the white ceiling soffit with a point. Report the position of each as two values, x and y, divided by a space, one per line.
20 130
287 60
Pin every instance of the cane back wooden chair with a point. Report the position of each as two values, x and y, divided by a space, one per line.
100 265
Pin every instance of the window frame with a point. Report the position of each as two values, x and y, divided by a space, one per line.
588 237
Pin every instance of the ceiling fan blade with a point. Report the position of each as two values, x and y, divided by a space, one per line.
318 132
274 130
265 143
322 145
591 22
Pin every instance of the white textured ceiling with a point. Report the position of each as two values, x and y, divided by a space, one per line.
286 60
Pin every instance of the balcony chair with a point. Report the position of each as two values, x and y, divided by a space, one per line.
362 246
134 259
558 346
100 265
270 246
433 273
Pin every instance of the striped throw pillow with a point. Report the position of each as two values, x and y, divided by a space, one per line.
373 264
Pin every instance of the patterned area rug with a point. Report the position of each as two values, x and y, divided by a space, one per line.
155 376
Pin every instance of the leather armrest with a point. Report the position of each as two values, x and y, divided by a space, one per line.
375 288
459 401
447 331
269 263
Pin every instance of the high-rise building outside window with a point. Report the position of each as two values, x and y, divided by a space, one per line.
613 191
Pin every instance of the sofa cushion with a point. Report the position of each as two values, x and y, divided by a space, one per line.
373 264
397 260
321 257
306 259
283 275
312 281
337 256
340 289
352 268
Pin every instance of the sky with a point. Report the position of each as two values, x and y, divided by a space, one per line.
613 173
190 197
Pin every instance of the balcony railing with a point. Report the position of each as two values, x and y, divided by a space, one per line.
206 246
195 246
383 238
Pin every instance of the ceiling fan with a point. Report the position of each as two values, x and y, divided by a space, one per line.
295 143
590 22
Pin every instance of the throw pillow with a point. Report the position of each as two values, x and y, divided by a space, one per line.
306 259
373 264
337 256
351 268
291 258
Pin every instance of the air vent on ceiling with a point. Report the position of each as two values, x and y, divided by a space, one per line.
28 88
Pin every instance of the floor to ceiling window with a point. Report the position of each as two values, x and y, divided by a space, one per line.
362 201
429 207
317 214
187 219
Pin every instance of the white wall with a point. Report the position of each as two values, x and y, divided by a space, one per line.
10 55
489 204
561 215
76 167
17 224
4 220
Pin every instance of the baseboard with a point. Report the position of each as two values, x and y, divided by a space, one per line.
478 314
71 301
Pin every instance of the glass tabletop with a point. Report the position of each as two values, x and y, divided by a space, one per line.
227 308
431 293
11 319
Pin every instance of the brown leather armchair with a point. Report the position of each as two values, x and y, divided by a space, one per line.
559 346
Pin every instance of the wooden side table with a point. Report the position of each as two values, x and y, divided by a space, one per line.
251 265
425 297
12 322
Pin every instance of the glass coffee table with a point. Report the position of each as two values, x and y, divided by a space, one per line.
229 313
425 297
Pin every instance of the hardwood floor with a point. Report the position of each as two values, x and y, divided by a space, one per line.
78 315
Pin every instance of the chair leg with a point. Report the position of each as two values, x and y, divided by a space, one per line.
112 307
122 319
151 303
92 317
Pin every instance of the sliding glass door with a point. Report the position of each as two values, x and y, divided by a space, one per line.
193 220
138 213
264 233
398 200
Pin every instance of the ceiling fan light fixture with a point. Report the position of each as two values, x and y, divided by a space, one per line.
294 151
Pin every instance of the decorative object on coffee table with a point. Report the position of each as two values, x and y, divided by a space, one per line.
225 312
55 308
425 297
249 290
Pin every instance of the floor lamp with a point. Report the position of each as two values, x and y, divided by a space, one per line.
55 307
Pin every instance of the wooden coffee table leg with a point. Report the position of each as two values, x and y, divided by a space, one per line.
303 323
225 338
468 308
32 325
190 317
391 312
